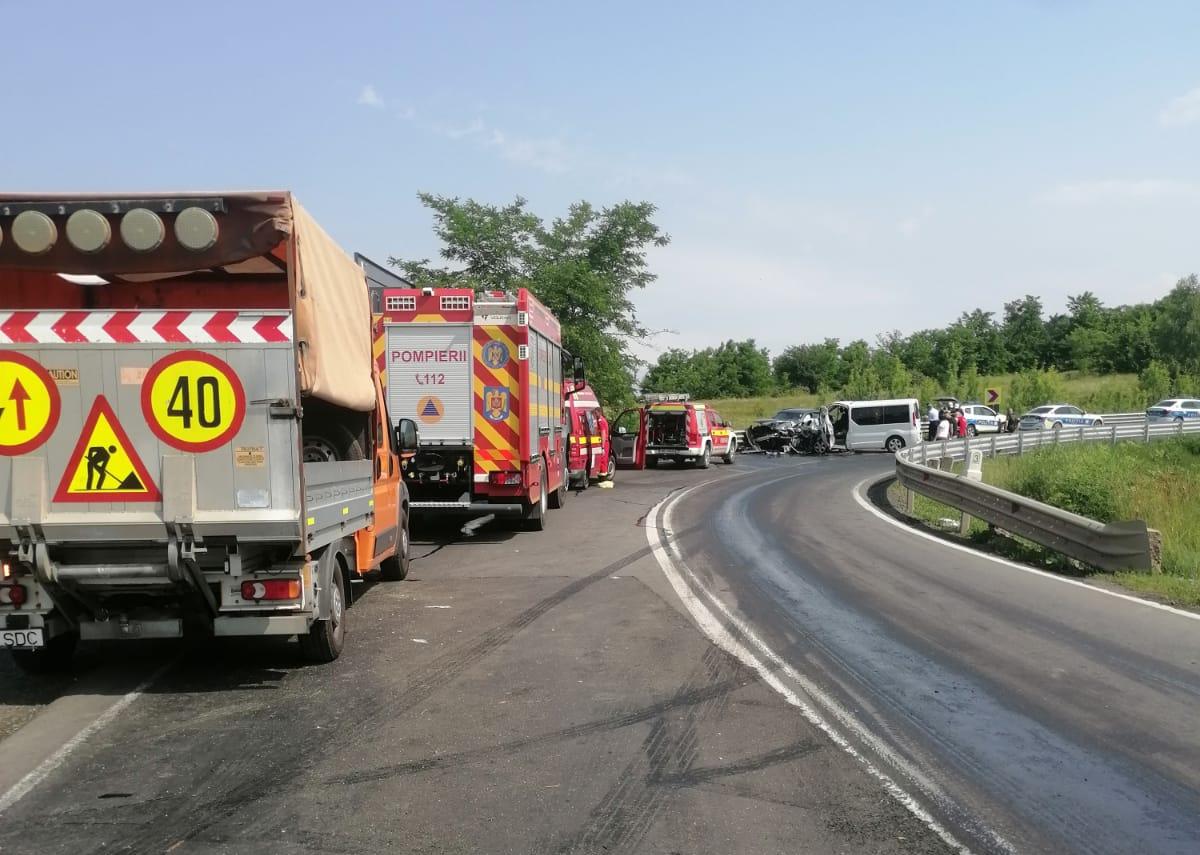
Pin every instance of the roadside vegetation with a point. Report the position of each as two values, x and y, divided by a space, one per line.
1095 356
1158 483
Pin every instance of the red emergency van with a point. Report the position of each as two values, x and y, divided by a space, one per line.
670 427
588 444
483 377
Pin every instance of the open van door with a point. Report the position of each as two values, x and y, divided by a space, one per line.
628 439
839 415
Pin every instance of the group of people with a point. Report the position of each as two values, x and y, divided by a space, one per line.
946 424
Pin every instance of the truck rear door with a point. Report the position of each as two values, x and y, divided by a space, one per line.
429 379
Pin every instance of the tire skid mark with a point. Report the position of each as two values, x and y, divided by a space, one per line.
636 799
257 774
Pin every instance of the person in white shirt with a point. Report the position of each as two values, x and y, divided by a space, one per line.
943 427
932 415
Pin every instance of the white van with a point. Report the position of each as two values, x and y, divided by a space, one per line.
876 425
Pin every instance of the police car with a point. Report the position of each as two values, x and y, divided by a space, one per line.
1174 411
982 419
1055 416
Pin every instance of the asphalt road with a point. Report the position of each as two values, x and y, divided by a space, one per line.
1026 714
521 692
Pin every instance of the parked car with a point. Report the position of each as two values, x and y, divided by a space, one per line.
1174 411
983 419
1056 416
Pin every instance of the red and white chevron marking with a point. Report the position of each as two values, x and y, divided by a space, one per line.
144 327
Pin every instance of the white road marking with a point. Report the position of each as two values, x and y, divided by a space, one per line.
674 568
1055 577
24 786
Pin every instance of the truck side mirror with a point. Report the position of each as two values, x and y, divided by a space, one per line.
406 435
580 378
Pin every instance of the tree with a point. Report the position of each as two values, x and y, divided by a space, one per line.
584 267
1178 327
1155 381
1023 333
735 369
811 366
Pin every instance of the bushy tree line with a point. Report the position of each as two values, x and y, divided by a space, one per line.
1160 341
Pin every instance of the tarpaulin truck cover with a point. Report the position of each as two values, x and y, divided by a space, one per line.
328 291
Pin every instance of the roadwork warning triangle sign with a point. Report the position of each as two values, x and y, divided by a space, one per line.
105 467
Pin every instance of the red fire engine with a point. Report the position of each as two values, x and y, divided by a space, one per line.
482 375
589 449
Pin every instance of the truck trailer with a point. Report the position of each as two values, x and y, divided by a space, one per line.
482 375
193 435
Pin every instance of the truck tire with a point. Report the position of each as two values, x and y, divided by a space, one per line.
612 469
702 462
326 638
54 658
729 455
395 569
332 444
535 514
559 497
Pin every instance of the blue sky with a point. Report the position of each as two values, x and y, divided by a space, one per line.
823 169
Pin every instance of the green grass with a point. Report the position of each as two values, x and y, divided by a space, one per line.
1158 483
1110 393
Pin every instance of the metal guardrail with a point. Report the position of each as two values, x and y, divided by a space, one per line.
1112 546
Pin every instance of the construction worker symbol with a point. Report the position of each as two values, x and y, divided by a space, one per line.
105 467
495 403
430 410
495 354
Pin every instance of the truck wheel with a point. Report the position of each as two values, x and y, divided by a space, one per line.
559 497
612 469
54 658
535 514
331 445
395 569
702 463
729 455
326 638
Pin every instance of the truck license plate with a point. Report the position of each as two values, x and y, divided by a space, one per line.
21 639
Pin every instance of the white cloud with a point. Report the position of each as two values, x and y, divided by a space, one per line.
1184 110
1119 190
368 97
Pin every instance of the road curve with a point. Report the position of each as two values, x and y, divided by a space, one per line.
1030 714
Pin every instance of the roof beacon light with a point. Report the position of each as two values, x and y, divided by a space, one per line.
142 230
34 232
88 231
196 229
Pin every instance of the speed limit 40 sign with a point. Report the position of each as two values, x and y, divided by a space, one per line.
193 401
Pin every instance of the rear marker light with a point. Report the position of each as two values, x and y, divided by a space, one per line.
13 595
271 589
504 479
142 230
88 231
34 232
196 229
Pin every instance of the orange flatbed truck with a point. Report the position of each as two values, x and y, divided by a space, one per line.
193 434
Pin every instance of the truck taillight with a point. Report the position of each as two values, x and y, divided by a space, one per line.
271 589
13 595
504 479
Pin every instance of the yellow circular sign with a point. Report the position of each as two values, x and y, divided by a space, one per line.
29 404
193 401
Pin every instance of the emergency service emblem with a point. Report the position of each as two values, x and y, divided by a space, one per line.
495 354
430 410
495 403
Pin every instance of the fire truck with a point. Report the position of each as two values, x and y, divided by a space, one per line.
589 446
483 376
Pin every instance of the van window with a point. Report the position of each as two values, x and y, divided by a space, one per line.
894 414
872 415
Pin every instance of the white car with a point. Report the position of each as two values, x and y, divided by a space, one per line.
1174 411
982 419
1056 416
